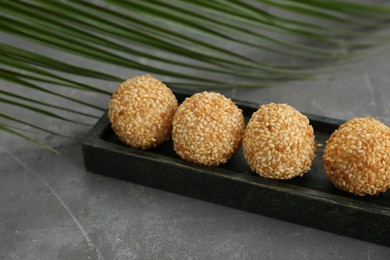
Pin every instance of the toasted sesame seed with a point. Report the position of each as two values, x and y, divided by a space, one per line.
207 129
279 142
361 167
141 111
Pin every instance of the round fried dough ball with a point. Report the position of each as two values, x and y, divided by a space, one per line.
207 129
357 157
279 142
141 111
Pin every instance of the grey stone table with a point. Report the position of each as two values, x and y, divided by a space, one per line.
52 208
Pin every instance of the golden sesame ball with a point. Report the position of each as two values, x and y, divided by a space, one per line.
279 142
357 157
141 111
207 128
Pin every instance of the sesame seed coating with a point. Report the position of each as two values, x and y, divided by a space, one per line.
141 111
279 142
357 157
207 129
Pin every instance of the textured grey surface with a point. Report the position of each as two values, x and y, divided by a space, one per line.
51 208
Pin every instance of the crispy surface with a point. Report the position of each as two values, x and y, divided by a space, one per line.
357 157
141 112
279 142
207 128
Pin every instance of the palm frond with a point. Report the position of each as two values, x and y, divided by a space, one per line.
36 59
22 122
13 77
39 110
190 44
11 130
23 98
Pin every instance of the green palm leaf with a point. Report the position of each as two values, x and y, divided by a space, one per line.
11 130
10 118
37 59
193 44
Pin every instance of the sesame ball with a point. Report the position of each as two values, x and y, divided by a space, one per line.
141 111
207 129
357 157
279 142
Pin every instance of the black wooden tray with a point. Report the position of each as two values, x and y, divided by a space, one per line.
310 200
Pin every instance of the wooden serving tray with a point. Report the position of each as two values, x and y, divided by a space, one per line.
310 200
